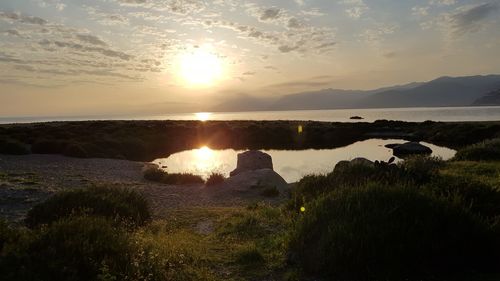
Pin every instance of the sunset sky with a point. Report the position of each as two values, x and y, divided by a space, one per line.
75 57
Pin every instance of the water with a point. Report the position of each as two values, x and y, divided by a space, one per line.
338 115
291 165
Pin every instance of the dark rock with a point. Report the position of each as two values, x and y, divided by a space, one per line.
356 161
357 118
252 160
409 148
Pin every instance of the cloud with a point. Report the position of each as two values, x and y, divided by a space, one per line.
11 16
442 2
470 19
463 20
355 8
270 14
92 39
249 73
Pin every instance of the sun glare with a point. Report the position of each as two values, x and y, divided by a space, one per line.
203 116
200 67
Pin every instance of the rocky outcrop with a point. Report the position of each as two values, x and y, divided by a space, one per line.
256 180
252 160
354 162
409 148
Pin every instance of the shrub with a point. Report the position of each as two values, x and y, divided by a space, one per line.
8 146
48 146
484 151
77 248
75 150
6 233
154 174
158 175
421 169
249 255
389 233
118 204
214 179
479 197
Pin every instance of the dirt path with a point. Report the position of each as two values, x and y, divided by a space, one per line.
29 179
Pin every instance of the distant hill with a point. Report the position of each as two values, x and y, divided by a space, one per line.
444 91
492 98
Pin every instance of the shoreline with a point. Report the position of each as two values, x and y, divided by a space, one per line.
149 140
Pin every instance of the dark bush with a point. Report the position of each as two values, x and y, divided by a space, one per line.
6 233
479 197
484 151
8 146
420 169
76 248
75 150
119 204
389 233
48 146
158 175
214 179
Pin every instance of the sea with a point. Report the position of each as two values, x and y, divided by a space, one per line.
420 114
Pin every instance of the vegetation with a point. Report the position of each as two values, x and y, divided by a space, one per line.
158 175
148 140
390 233
484 151
421 219
214 179
121 205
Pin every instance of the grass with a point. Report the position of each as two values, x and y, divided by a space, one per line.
122 205
488 150
158 175
424 219
390 233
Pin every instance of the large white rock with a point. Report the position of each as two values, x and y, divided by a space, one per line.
252 160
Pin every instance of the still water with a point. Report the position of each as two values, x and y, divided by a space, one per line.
338 115
292 165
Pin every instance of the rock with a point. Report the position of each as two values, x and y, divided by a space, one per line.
256 180
357 118
252 160
356 161
409 148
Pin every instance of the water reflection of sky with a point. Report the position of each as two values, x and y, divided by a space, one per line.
290 164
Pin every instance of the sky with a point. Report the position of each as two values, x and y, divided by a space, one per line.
101 57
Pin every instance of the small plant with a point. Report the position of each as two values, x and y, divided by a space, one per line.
158 175
214 179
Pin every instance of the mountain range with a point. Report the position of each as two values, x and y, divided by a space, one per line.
441 92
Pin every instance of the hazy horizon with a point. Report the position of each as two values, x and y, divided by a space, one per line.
62 58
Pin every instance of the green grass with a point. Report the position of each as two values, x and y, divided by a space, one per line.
390 233
486 172
122 205
488 150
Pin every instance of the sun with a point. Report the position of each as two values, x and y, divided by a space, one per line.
200 67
